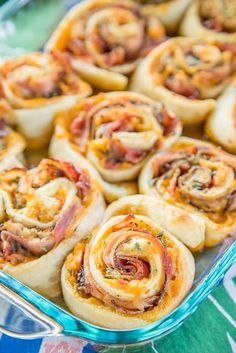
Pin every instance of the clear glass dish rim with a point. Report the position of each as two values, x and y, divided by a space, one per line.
10 7
73 326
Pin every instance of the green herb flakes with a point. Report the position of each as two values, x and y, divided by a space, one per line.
137 246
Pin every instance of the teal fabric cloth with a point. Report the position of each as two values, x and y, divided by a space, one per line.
212 328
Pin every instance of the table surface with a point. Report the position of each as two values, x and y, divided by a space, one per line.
211 329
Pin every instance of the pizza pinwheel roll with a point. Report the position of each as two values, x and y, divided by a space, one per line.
169 12
44 212
12 144
211 19
187 74
103 40
199 178
37 86
116 132
220 126
129 274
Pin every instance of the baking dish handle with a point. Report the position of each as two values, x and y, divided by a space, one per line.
20 319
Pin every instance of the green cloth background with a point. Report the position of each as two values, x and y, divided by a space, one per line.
212 328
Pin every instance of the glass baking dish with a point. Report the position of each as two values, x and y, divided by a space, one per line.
53 319
22 29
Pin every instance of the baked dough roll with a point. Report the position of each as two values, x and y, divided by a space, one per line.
12 144
199 178
214 19
189 228
116 132
6 111
44 212
37 86
186 74
221 126
103 40
169 12
129 274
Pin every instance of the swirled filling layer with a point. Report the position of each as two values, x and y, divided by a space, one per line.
218 15
128 266
195 69
203 177
121 131
39 208
113 35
